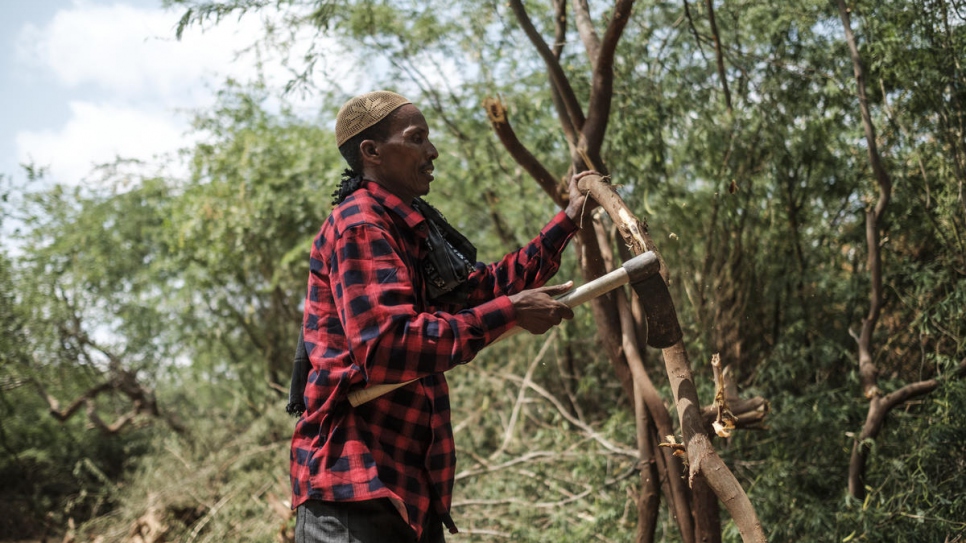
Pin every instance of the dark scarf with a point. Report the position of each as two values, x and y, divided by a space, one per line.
449 261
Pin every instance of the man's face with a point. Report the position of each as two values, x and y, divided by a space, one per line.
404 162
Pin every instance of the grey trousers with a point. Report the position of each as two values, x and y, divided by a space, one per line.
374 521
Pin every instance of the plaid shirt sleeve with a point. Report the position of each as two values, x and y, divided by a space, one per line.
378 306
530 267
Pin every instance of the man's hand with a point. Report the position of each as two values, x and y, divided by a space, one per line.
579 204
536 309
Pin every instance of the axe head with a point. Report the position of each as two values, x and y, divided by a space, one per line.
663 329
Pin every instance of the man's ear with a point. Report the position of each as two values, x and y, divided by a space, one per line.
369 151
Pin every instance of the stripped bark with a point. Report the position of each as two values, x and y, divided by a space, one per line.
701 455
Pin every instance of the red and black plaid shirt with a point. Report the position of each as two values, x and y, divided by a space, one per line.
367 321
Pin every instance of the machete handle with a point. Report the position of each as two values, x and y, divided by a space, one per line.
633 271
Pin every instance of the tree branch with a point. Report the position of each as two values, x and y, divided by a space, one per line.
560 38
54 404
702 456
718 54
589 431
501 125
522 393
602 85
557 77
694 29
879 408
868 372
648 399
586 30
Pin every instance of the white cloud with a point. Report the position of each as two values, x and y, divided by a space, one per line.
127 76
132 52
96 134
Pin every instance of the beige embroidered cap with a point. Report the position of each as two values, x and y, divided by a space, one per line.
364 111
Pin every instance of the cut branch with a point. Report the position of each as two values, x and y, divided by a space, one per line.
748 413
701 455
497 114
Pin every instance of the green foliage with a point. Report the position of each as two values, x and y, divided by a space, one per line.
162 283
51 470
239 230
222 481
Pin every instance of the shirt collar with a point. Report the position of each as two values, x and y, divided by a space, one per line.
410 216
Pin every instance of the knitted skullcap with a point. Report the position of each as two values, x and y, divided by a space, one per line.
364 111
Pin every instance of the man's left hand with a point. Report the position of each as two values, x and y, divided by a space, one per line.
579 205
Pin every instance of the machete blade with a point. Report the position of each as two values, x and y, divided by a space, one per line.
663 329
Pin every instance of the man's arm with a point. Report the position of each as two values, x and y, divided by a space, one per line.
377 305
529 267
538 261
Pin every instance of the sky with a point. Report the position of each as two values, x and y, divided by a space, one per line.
85 81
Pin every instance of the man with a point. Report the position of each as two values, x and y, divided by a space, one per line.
395 294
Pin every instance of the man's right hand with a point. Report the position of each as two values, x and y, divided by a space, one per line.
537 310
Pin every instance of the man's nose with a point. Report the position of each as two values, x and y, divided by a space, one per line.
433 153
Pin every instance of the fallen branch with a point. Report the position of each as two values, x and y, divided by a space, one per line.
518 405
590 432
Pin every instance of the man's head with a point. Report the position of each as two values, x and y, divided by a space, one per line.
385 138
364 117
